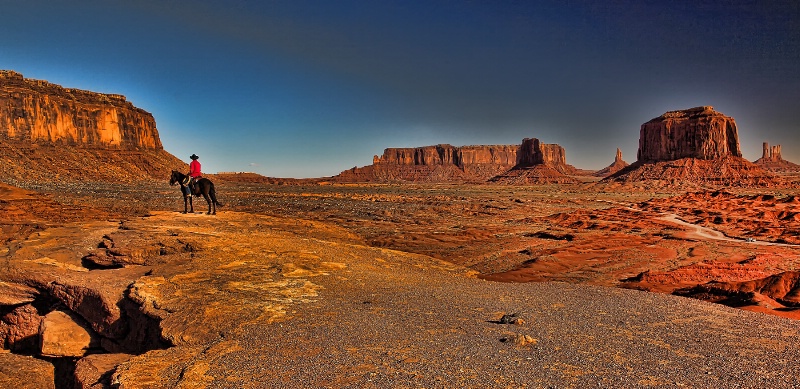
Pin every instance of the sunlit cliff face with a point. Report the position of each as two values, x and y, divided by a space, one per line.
38 111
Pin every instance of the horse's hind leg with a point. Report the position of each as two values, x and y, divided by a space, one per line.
210 204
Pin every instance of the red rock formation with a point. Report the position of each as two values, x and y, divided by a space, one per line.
776 291
693 146
40 112
615 166
440 163
449 155
446 163
698 132
538 163
47 132
771 159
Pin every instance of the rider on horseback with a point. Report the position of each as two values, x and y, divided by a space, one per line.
194 172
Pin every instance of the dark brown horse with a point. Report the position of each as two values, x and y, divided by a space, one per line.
202 187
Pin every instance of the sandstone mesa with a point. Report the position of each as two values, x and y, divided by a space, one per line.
693 146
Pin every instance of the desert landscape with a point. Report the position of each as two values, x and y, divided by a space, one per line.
438 266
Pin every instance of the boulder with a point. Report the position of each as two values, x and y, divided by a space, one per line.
19 328
64 334
94 371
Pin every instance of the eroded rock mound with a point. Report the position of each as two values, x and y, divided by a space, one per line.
693 146
776 291
763 217
48 131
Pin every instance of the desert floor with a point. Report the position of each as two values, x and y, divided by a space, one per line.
406 285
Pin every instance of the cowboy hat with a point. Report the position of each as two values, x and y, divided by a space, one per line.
194 156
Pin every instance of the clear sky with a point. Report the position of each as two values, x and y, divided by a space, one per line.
310 88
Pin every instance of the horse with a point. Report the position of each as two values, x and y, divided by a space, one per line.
202 187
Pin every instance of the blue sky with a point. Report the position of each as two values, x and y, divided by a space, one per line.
311 88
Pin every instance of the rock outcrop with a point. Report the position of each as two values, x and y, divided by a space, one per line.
615 166
771 159
776 291
538 163
40 112
446 163
691 147
48 131
439 163
699 132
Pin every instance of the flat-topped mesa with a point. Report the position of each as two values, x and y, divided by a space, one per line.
37 111
443 154
446 163
699 132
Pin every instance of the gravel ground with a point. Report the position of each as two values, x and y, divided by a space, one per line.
395 321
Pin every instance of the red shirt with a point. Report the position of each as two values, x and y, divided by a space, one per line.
194 169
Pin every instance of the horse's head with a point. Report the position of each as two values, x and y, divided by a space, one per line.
174 178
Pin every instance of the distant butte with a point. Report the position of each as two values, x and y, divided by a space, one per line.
615 166
693 146
539 163
771 159
530 162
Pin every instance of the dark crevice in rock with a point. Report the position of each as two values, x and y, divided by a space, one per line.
136 332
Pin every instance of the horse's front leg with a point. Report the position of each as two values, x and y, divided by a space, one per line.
191 206
185 204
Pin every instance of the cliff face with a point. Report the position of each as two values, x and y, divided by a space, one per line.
50 132
40 112
699 132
